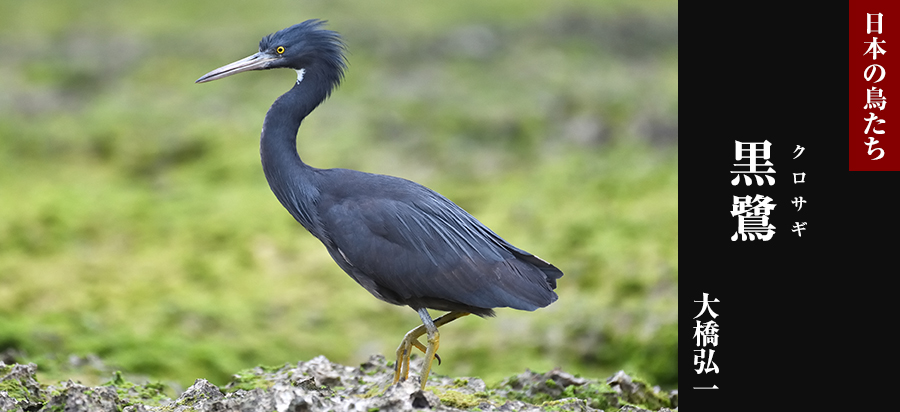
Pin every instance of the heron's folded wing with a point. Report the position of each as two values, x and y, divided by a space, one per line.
431 248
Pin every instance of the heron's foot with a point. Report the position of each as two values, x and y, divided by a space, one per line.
401 368
434 340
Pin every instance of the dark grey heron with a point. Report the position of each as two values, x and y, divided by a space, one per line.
404 243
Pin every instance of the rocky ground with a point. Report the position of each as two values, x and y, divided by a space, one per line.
321 385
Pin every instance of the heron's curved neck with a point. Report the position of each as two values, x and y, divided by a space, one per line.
289 178
278 141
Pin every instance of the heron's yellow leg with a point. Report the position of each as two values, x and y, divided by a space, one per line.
398 366
401 367
434 340
420 346
449 317
402 364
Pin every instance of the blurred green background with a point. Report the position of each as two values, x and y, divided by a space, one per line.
136 224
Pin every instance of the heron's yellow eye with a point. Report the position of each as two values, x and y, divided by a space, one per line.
280 49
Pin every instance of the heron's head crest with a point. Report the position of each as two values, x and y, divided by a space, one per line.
306 45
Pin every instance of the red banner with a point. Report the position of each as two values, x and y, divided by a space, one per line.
874 76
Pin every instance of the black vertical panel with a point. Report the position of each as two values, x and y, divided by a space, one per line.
752 73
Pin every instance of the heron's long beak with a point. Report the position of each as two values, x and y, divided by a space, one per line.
257 61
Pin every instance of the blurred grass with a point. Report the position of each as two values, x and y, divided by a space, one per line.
135 222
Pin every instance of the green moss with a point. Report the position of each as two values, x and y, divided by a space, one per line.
130 393
646 397
557 405
512 382
117 379
255 378
273 369
15 389
249 379
519 390
536 399
597 395
459 400
187 402
460 382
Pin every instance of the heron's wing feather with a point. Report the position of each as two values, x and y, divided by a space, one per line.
427 247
